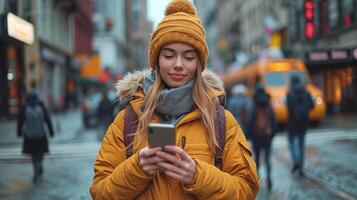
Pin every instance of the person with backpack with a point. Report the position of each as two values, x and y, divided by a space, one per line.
262 128
299 103
32 119
176 91
240 105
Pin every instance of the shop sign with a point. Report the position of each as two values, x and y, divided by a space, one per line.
339 54
19 29
318 56
336 55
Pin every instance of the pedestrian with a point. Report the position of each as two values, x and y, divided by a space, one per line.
32 118
104 113
299 102
262 128
177 92
240 106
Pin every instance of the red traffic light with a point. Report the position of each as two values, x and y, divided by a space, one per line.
309 5
309 30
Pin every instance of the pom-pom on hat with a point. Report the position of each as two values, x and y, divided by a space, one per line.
180 24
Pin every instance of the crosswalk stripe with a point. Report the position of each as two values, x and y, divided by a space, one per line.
90 149
319 137
75 150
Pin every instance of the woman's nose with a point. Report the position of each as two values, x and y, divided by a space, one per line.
179 62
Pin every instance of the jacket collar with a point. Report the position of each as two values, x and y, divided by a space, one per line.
195 114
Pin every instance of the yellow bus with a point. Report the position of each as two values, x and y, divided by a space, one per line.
275 76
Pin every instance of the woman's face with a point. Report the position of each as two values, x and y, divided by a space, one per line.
177 64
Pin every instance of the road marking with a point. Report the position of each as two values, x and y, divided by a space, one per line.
321 136
57 151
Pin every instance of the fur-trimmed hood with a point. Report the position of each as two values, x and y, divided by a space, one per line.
128 87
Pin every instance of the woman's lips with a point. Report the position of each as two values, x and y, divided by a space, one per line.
177 77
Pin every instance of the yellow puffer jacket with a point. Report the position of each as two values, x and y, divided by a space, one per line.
117 177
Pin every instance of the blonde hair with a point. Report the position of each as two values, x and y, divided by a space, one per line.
203 96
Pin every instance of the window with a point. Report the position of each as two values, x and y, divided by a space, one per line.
323 17
347 12
333 13
276 79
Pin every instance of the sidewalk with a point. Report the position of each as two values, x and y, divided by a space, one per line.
65 124
346 121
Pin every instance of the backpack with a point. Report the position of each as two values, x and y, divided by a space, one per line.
34 119
131 124
301 107
262 123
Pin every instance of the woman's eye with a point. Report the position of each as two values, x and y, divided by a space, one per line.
190 58
168 56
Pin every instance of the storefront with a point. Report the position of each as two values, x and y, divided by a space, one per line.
15 33
53 76
335 73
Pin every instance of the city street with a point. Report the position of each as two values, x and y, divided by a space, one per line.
329 174
68 66
329 170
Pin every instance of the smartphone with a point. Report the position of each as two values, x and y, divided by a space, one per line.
161 135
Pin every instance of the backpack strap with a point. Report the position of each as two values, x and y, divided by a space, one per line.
130 126
220 131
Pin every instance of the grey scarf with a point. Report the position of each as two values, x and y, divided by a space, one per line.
173 102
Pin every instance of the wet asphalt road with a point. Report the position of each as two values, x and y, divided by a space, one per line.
330 169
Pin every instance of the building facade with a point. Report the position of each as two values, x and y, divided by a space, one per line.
83 34
251 27
324 35
54 25
138 30
207 12
42 63
109 34
13 50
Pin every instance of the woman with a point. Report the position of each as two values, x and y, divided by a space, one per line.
32 119
178 93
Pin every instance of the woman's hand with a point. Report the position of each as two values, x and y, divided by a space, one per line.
178 164
148 160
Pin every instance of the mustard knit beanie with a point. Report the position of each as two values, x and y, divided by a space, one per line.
180 24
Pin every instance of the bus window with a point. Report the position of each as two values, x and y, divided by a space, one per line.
274 79
277 79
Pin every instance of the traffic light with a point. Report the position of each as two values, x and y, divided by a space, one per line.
309 30
309 15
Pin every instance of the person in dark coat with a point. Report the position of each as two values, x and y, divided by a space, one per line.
299 102
35 140
240 106
105 114
262 127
